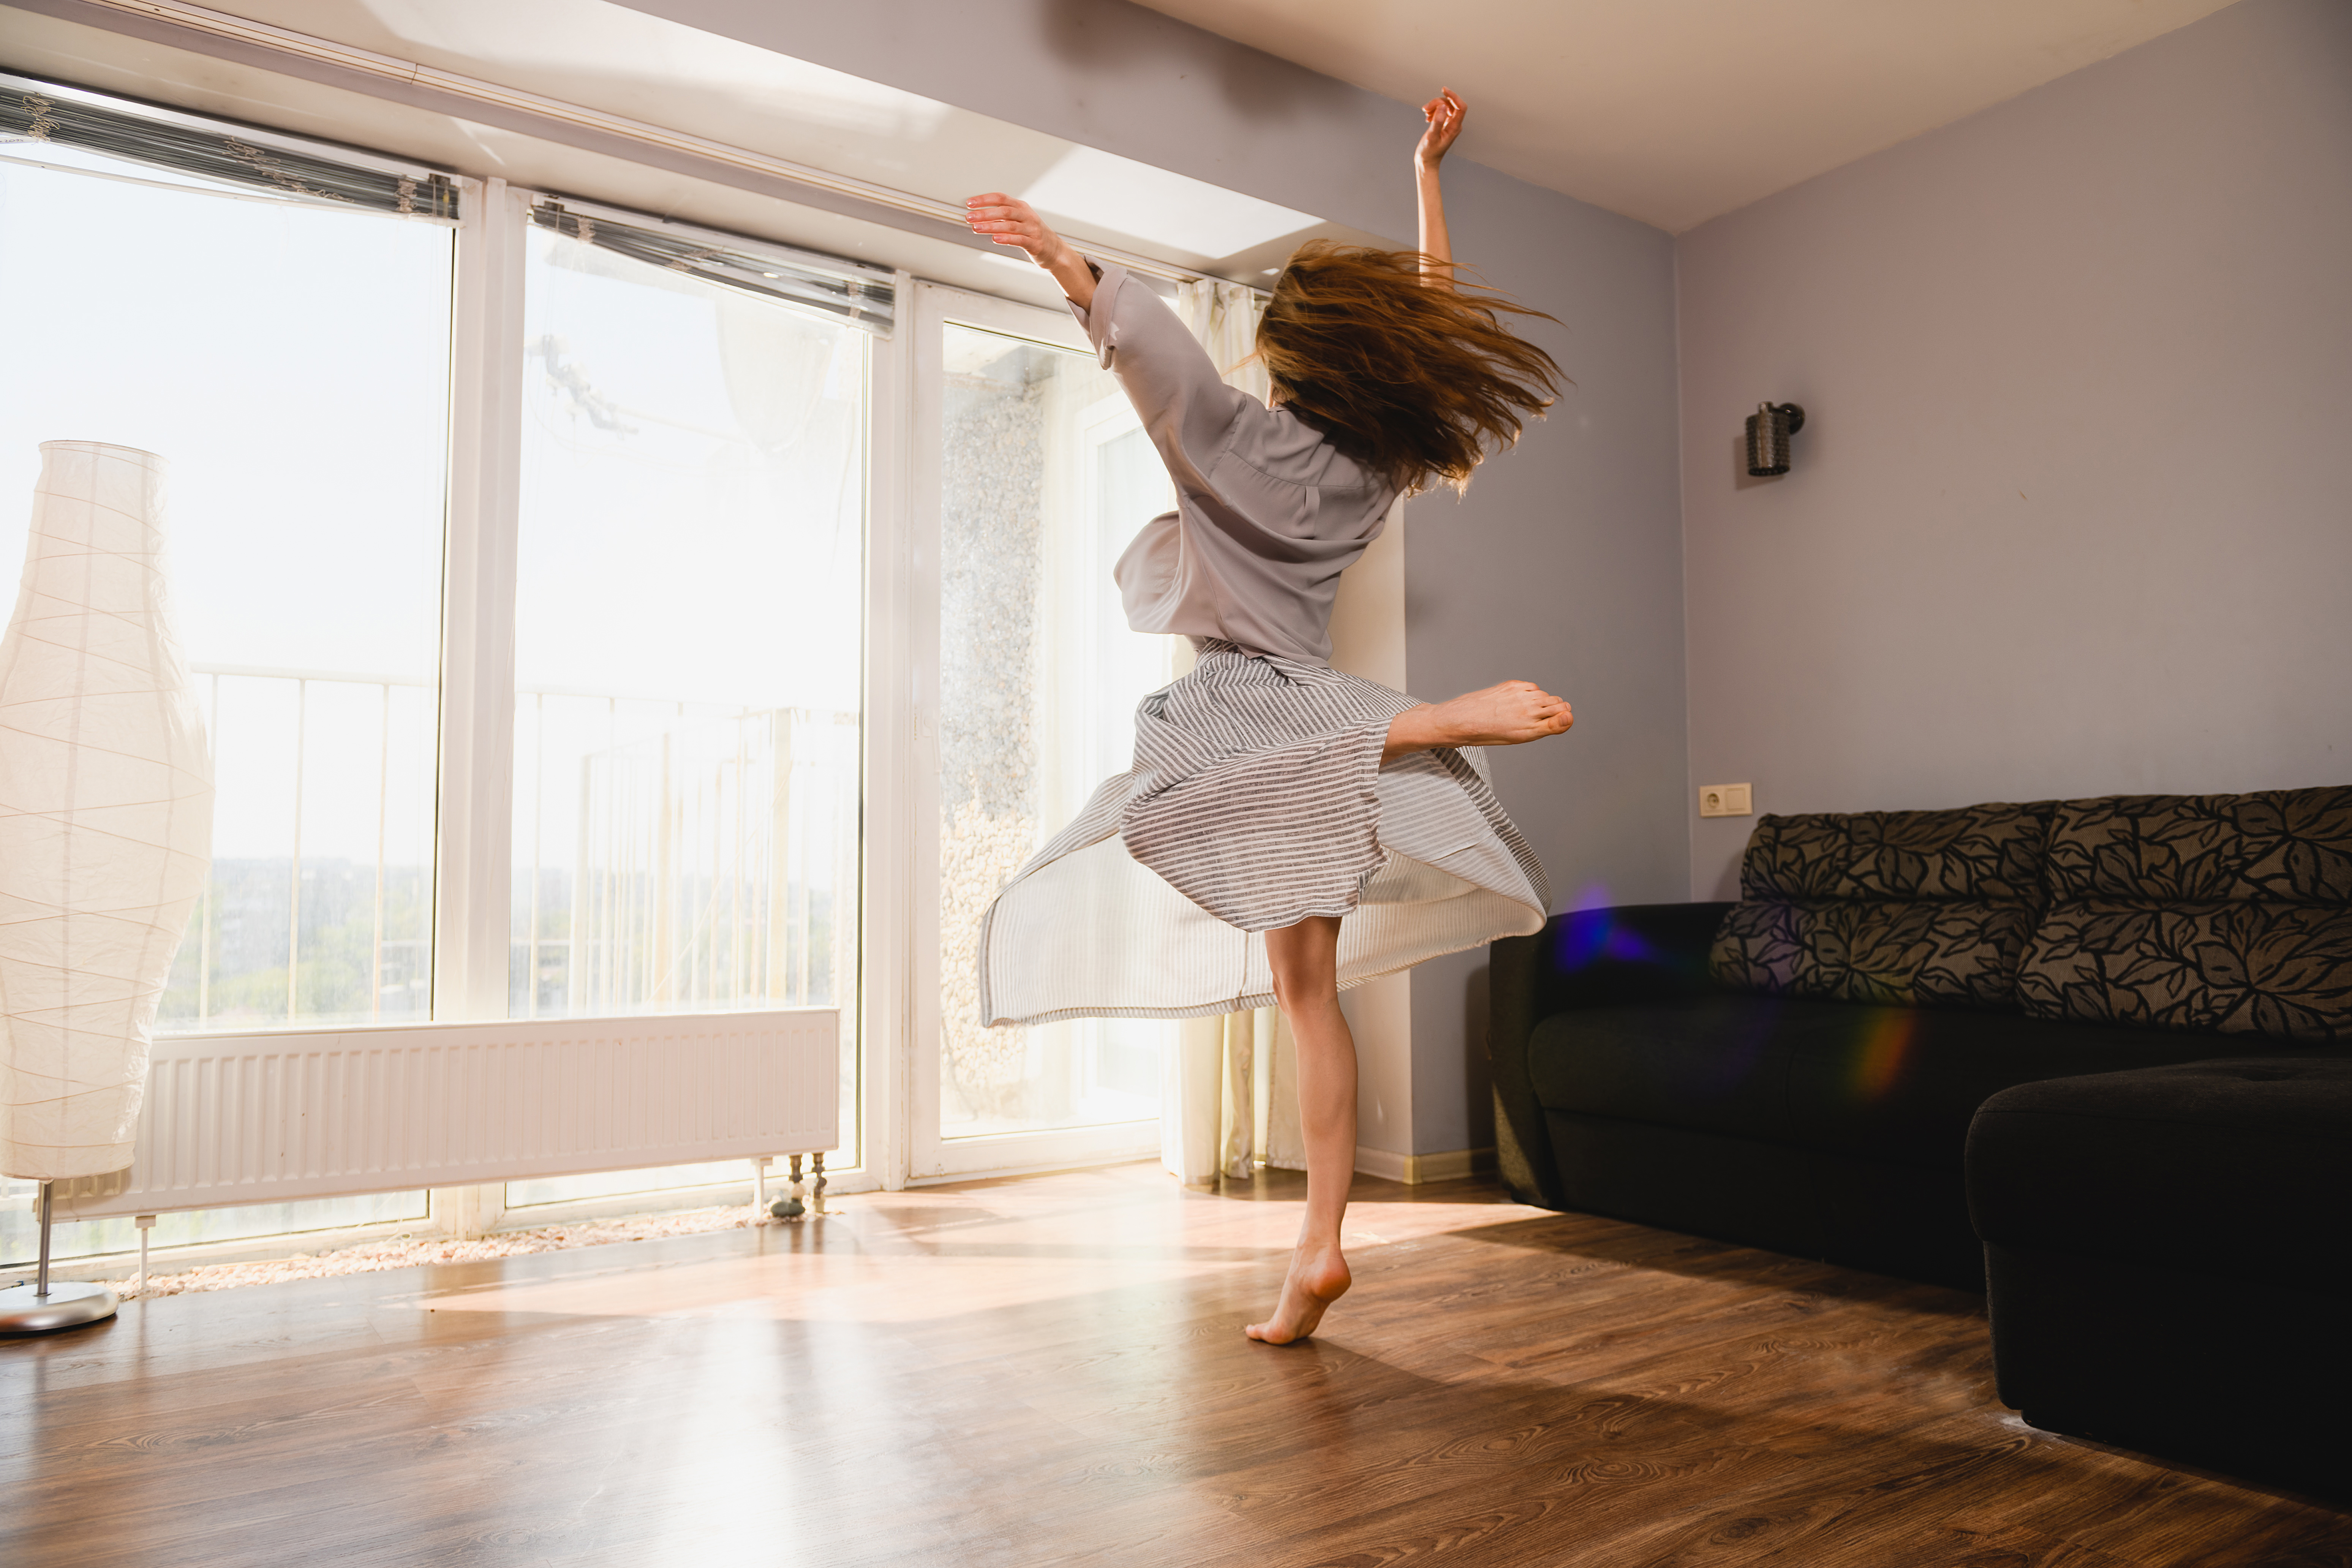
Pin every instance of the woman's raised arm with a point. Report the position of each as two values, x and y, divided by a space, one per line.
1444 114
1185 405
1009 220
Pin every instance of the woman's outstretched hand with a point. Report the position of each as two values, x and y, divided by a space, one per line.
1444 114
1009 220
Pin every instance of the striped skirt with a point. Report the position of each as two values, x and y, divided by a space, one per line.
1257 798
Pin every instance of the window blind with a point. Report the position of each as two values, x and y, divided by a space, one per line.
39 112
844 290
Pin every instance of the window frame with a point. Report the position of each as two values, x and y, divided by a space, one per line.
928 1155
473 868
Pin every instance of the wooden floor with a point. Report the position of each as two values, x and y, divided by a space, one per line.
1053 1370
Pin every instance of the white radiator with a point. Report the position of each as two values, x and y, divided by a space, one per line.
255 1119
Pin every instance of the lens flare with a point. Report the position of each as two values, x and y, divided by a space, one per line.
1592 933
1880 1055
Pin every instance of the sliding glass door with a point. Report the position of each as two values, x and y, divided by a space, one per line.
1031 475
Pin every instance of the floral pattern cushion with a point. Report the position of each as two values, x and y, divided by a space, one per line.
1756 947
2294 846
2224 912
1909 908
1963 953
2238 967
1992 852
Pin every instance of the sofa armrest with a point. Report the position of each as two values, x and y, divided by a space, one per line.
1591 958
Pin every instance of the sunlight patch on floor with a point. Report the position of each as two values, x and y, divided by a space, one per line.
911 1258
836 1286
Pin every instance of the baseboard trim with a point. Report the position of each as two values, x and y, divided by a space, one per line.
1443 1165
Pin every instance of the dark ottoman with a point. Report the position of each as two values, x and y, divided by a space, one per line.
2169 1261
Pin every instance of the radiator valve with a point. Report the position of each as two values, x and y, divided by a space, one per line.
789 1205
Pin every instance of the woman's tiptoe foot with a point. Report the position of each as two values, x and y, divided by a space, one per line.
1316 1280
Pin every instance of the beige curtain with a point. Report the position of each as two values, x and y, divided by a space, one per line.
1229 1086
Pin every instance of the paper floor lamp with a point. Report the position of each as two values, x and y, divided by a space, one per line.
105 809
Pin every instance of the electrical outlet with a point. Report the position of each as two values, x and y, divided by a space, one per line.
1724 800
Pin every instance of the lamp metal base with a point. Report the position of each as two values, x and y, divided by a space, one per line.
24 1310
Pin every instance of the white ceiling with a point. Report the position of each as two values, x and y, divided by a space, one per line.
625 62
640 65
1674 112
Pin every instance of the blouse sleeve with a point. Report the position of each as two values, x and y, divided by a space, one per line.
1185 405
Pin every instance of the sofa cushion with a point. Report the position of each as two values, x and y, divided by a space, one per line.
1904 908
1963 953
1992 853
2278 970
2238 1167
1718 1064
2279 846
1892 1084
1902 1084
2213 912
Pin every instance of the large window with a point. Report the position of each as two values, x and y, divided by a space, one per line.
683 429
1044 474
1041 476
688 646
291 361
306 492
687 595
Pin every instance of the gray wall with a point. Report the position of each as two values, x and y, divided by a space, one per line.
1563 564
2072 513
1554 568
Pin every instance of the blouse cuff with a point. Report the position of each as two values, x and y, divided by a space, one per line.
1099 318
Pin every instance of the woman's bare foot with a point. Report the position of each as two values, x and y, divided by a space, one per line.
1508 714
1316 1279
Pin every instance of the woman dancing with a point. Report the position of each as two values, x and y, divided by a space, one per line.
1285 829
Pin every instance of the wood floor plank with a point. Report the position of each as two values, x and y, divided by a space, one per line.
1049 1373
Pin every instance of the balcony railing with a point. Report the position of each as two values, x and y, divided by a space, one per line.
669 855
714 857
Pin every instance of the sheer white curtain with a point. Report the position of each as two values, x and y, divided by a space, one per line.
1229 1090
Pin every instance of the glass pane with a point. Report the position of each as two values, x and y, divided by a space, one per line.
293 365
307 497
1045 478
688 651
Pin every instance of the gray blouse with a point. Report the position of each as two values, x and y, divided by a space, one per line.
1267 513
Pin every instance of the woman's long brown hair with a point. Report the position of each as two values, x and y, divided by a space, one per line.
1411 379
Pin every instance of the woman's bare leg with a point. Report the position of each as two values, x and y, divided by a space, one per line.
1306 960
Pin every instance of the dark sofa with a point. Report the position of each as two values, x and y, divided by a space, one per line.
2121 997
